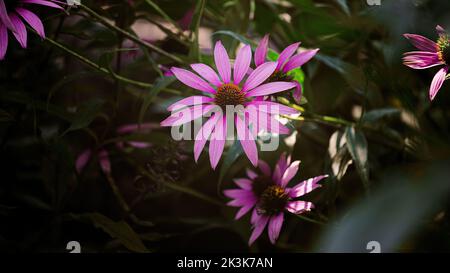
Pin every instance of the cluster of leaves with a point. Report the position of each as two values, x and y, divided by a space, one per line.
366 120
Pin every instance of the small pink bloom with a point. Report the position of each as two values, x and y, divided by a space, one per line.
430 54
13 14
286 62
269 196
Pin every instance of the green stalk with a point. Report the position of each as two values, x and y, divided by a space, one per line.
128 35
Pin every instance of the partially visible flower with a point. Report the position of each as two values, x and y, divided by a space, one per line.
230 90
268 194
12 15
186 20
286 62
430 54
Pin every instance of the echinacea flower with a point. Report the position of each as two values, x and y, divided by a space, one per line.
430 54
286 62
12 15
230 90
268 194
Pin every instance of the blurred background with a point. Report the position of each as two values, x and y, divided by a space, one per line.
75 165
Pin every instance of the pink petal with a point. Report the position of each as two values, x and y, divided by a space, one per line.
187 115
255 216
297 92
286 54
207 73
192 80
241 202
139 144
243 211
247 141
259 75
217 142
222 62
421 59
203 134
275 224
82 160
437 82
290 172
299 60
189 101
422 43
306 186
280 168
251 174
273 108
298 207
3 41
243 183
105 164
440 30
264 167
261 50
242 63
270 88
259 226
32 20
4 18
238 194
43 3
21 31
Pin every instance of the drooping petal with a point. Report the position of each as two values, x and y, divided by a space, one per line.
259 75
187 115
261 50
281 166
306 186
243 183
298 207
33 20
82 160
270 88
244 210
203 134
259 226
21 31
290 172
217 142
222 62
286 54
43 3
207 73
275 224
300 59
192 80
297 92
242 63
422 43
105 164
3 41
247 140
189 101
273 108
421 59
238 194
264 167
437 82
4 18
241 202
440 30
251 174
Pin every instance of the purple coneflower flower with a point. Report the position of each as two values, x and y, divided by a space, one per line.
430 54
269 196
286 62
230 90
12 15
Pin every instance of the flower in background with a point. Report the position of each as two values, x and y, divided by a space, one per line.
286 62
229 90
269 196
430 54
12 15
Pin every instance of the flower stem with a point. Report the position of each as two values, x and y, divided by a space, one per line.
128 35
309 219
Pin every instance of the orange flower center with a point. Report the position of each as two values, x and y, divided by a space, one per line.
229 94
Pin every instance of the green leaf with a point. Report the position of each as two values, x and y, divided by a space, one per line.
357 147
232 155
85 115
233 35
160 84
118 230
